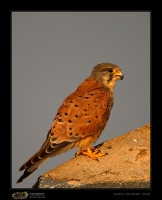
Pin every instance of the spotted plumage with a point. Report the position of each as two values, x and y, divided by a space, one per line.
80 119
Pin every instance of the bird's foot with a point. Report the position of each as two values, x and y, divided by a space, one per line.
91 152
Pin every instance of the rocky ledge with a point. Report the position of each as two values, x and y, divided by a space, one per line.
127 165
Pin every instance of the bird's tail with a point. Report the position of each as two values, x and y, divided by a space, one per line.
47 151
29 170
25 175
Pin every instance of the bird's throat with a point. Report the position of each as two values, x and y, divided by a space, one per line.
109 85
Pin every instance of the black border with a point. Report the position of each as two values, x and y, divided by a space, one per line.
51 192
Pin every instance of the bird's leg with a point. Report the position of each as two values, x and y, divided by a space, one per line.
95 150
80 152
93 153
89 153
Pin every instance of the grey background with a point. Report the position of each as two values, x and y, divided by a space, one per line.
52 53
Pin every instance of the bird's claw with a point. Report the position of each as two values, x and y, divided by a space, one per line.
93 153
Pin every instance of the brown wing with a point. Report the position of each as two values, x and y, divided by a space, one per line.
82 113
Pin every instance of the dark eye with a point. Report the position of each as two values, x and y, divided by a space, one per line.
110 70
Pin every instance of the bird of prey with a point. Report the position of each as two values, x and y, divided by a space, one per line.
80 119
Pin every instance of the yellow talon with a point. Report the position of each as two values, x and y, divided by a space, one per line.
90 152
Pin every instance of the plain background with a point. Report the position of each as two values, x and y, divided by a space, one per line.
52 53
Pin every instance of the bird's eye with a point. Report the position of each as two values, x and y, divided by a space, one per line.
110 70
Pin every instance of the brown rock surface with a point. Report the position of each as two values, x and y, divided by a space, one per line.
127 165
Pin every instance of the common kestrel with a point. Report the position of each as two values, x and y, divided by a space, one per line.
81 118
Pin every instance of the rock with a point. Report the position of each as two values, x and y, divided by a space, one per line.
127 165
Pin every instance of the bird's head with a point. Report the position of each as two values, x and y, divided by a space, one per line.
107 74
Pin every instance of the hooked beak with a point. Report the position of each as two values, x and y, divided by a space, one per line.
119 75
